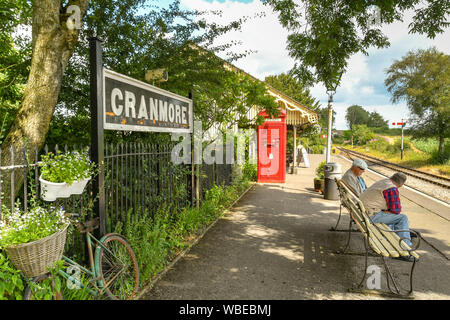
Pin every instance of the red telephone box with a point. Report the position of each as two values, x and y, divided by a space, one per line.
272 148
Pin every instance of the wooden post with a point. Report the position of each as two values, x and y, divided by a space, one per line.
193 184
97 135
295 147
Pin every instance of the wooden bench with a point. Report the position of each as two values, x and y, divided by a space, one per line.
378 237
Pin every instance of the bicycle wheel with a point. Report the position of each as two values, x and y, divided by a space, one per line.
118 267
34 293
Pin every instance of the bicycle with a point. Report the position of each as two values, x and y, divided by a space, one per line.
113 266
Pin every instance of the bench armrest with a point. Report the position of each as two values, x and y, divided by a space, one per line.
417 233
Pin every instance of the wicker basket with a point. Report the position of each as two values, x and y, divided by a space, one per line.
34 257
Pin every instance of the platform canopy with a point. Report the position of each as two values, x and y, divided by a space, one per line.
297 113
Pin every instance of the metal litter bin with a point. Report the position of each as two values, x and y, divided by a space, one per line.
333 170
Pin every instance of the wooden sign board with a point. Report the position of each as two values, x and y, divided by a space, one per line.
133 105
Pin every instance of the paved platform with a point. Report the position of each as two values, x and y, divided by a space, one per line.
275 244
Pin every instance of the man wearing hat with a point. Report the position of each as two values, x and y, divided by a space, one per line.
353 176
382 203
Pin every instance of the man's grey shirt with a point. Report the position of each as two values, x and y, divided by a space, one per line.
352 180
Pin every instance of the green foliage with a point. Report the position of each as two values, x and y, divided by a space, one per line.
292 87
431 146
66 167
314 142
140 37
15 52
250 171
325 34
356 115
320 170
380 145
376 120
37 223
362 134
156 239
422 79
12 284
427 145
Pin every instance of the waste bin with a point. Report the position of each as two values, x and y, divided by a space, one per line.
333 170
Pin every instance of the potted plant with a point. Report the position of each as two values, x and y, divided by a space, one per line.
64 174
319 180
34 240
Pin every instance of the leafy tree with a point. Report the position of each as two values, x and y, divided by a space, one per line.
15 59
356 115
376 120
295 89
324 34
422 79
137 37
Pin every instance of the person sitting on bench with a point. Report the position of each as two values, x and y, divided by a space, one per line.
382 202
353 177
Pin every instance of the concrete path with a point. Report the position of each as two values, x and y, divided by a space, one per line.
275 244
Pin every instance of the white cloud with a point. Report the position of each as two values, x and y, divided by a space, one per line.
261 34
362 84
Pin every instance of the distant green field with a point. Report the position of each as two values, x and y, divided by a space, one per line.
429 145
426 158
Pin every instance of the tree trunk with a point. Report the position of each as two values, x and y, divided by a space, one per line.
53 44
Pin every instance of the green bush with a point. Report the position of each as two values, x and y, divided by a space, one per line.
320 173
362 134
437 158
379 144
11 282
250 171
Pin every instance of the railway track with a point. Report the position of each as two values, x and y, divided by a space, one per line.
440 181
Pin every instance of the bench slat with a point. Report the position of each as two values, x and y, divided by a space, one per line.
394 239
374 242
385 243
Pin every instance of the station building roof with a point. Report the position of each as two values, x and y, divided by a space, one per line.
297 113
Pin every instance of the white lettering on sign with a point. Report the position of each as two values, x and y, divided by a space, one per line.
171 113
153 109
183 114
117 109
166 112
162 110
130 104
143 109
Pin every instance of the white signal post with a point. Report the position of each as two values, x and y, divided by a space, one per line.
403 123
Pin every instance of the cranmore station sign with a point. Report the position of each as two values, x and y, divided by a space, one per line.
133 105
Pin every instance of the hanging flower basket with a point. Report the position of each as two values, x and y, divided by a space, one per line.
52 190
64 174
33 258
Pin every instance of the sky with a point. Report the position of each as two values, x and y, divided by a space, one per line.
362 84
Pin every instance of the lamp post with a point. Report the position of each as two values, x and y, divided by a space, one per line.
330 122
